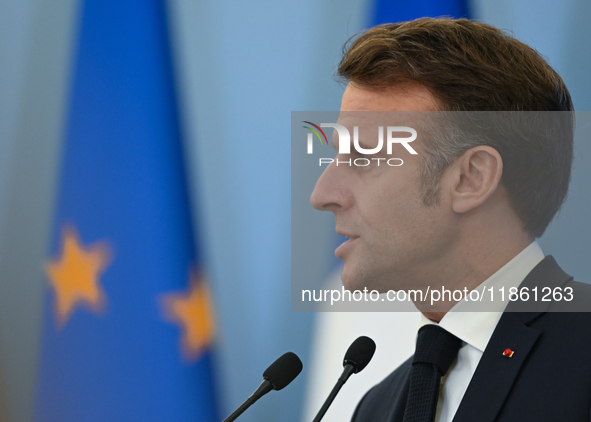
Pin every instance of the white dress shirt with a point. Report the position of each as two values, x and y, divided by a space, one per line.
475 330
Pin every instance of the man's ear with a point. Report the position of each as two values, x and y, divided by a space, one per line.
475 177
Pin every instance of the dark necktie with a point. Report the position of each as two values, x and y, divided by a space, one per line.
436 350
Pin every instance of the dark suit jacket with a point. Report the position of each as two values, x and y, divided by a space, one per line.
547 379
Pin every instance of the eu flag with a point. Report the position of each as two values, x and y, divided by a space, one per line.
386 11
127 318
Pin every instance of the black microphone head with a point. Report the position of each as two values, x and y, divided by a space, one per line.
283 370
360 353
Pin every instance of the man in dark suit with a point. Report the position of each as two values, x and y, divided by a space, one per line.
463 214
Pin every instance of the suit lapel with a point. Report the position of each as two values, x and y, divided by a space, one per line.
496 373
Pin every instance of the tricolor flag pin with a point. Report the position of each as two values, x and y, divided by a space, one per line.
509 353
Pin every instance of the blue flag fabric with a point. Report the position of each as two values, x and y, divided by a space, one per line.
387 11
127 321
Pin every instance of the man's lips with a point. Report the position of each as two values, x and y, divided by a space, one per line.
346 234
346 246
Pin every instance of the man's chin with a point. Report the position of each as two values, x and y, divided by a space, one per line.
353 281
350 282
359 280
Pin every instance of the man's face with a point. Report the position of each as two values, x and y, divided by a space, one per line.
395 241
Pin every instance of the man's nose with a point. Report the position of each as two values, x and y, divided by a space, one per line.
329 193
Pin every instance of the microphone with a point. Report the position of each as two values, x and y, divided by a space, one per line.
277 376
357 357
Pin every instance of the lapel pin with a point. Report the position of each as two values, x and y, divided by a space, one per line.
509 353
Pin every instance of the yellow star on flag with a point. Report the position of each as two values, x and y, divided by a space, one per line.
192 311
75 275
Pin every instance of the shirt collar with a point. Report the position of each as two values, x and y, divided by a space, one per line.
476 328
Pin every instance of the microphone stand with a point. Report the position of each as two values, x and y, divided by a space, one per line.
263 389
347 372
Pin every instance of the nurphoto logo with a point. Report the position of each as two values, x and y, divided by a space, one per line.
344 142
